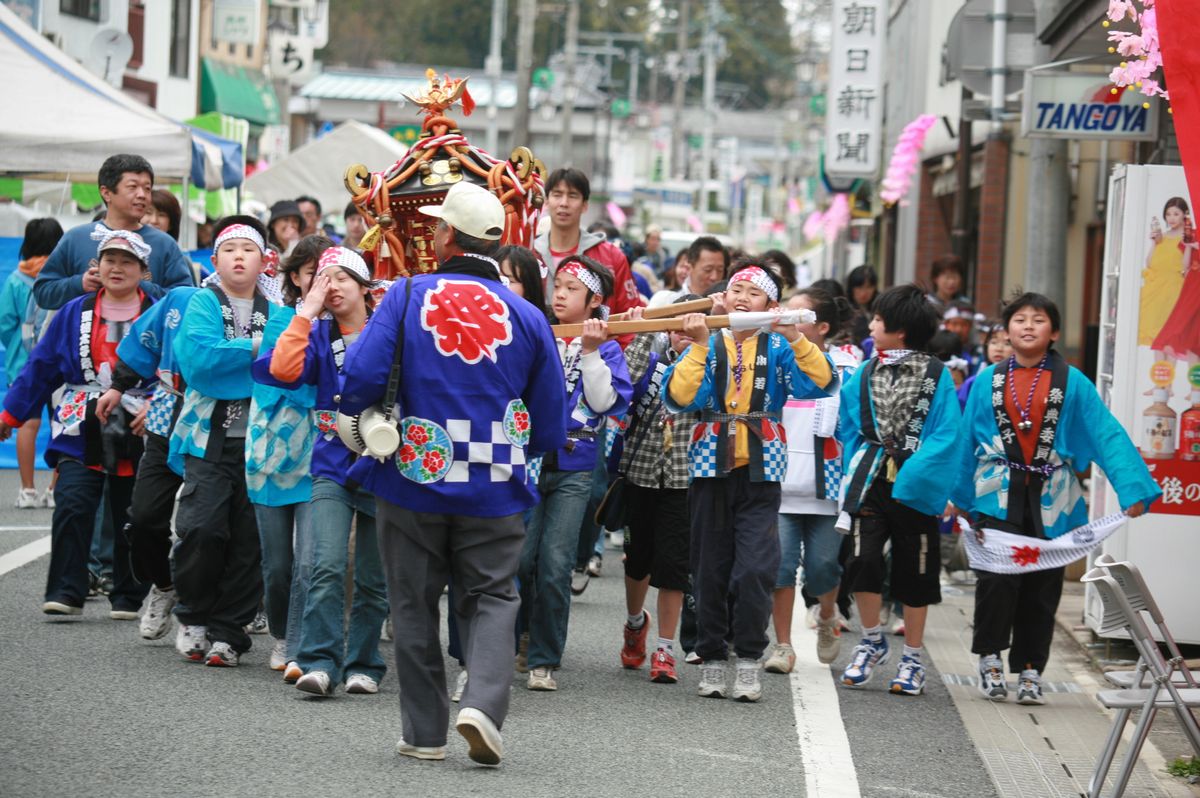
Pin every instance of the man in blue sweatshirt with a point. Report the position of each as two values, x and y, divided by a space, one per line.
125 185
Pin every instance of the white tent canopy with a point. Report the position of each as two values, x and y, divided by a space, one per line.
62 121
317 168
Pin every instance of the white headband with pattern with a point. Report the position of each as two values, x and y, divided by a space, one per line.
105 236
346 259
583 274
759 278
240 231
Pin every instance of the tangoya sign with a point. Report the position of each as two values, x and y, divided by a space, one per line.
1075 105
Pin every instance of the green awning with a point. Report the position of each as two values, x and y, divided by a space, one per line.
236 91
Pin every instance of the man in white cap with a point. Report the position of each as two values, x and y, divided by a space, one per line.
450 500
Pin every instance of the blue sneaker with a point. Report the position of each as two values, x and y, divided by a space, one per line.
910 677
867 656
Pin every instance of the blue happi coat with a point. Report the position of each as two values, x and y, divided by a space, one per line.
149 350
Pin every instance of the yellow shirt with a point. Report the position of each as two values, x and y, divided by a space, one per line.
689 374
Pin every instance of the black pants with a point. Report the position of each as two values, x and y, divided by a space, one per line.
1020 607
659 531
735 555
78 497
218 573
149 529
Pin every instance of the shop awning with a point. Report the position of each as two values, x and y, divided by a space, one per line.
237 91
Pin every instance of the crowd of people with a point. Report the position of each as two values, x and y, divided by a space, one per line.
303 422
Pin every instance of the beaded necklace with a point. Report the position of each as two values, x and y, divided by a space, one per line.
1025 424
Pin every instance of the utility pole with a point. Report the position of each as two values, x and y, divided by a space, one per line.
493 68
710 97
526 17
571 54
1047 215
678 152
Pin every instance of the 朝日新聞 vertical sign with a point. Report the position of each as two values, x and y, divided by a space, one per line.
854 104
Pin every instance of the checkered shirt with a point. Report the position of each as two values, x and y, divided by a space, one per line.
656 446
894 390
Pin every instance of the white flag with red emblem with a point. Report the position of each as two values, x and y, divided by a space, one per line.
1006 553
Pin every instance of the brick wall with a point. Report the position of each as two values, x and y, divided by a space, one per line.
989 270
933 228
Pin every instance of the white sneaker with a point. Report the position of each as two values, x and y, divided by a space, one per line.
594 565
1029 688
829 639
459 685
810 617
542 680
156 615
278 659
432 752
221 655
47 499
361 684
482 736
27 499
692 658
991 678
579 581
192 642
782 659
315 682
747 686
712 680
292 673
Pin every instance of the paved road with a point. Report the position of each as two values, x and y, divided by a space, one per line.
89 708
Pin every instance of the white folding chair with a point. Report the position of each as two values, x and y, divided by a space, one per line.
1160 694
1140 599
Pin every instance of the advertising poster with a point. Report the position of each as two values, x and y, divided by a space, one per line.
1167 369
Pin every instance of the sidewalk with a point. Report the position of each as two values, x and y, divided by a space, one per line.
1049 750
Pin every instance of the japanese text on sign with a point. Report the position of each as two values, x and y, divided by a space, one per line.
854 121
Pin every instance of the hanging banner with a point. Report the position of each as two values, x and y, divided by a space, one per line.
854 105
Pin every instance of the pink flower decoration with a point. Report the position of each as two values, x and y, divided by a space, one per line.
906 157
1141 49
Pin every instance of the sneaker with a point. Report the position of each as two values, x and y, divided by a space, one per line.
278 659
746 685
991 678
522 663
156 617
483 738
315 682
910 677
192 642
460 684
46 499
633 652
386 632
27 499
579 581
692 658
782 659
542 680
1029 688
123 615
712 680
594 565
662 667
866 656
221 655
829 640
898 628
433 752
93 586
810 617
104 585
60 608
292 673
259 625
360 684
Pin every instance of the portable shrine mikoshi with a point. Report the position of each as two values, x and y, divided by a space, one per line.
400 241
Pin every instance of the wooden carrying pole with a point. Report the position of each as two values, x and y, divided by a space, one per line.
702 305
643 326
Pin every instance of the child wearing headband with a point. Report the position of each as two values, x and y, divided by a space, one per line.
738 382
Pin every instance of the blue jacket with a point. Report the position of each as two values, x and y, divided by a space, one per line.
1087 433
61 278
14 299
149 350
481 389
53 364
583 418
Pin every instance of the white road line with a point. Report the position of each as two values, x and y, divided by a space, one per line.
824 747
24 529
25 554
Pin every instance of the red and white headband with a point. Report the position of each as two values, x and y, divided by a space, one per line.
759 278
583 274
240 231
345 259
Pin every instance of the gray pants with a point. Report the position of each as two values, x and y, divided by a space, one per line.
420 551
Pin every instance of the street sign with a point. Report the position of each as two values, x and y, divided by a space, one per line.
1078 105
816 105
854 123
543 78
969 45
620 108
405 134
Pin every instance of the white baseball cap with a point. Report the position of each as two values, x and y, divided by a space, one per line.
472 209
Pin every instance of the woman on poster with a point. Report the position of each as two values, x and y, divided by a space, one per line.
1179 336
1166 265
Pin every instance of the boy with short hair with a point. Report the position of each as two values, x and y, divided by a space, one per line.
218 578
899 425
738 382
1032 422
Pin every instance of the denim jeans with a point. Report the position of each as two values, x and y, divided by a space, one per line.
811 541
100 557
551 540
326 644
286 565
77 504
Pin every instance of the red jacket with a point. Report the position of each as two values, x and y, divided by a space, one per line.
593 245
